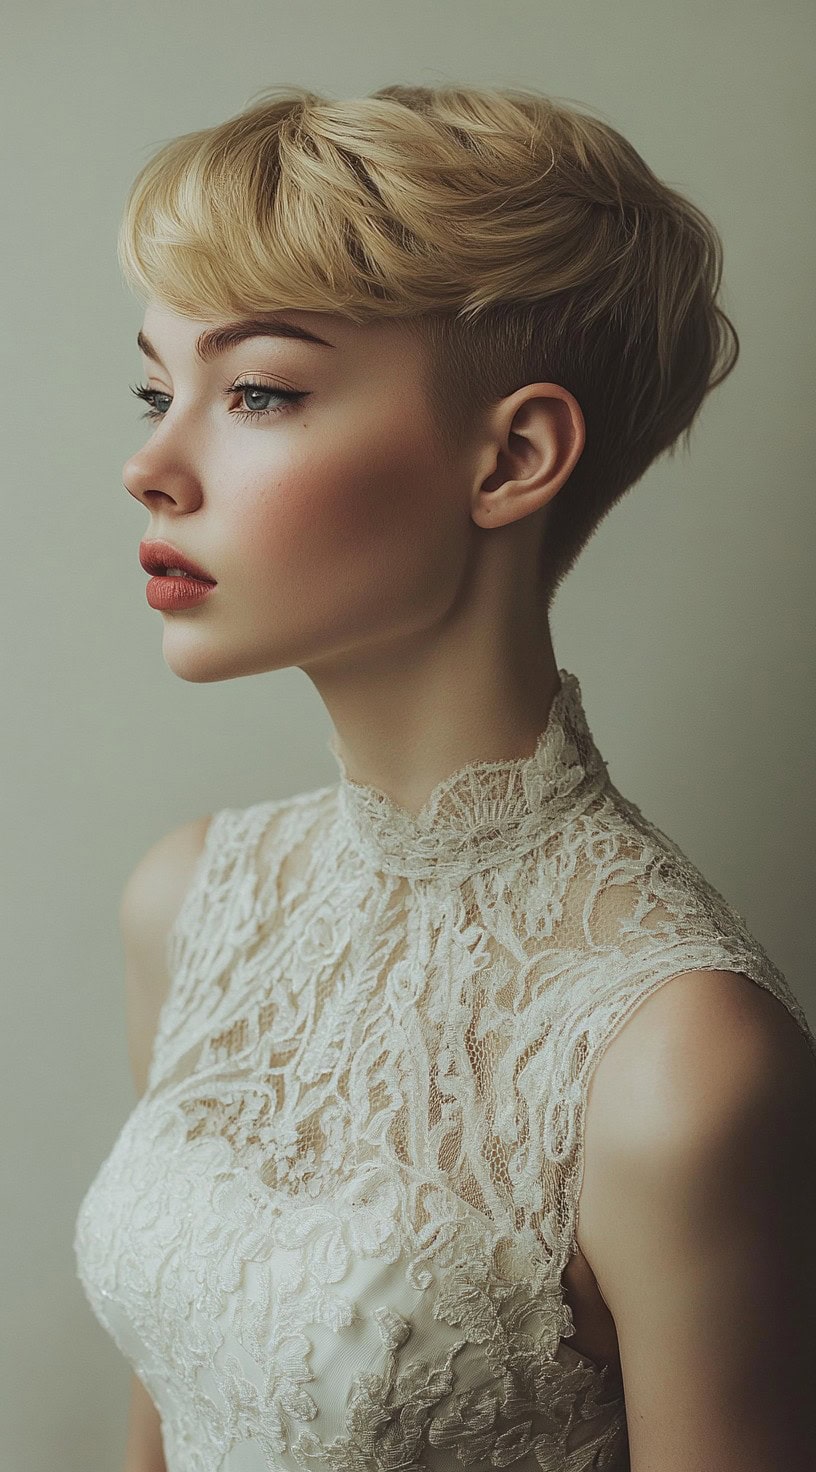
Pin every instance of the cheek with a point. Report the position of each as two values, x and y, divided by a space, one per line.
373 518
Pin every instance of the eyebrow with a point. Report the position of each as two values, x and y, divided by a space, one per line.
217 340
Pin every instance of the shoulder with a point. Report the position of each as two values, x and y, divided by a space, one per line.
700 1049
155 887
235 839
150 901
701 1065
698 1217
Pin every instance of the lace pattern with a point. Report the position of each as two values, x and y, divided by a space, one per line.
333 1231
487 813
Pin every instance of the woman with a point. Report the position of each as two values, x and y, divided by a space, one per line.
404 354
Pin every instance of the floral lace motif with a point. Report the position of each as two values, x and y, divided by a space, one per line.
485 813
332 1233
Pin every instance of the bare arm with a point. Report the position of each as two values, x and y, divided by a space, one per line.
699 1221
143 1450
150 902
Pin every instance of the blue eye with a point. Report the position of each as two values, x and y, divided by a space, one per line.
288 396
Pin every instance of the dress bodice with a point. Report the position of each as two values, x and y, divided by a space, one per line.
332 1233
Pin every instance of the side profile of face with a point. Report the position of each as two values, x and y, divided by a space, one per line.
346 541
329 520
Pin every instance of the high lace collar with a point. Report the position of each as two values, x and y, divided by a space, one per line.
485 813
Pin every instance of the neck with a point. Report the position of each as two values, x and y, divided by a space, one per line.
483 814
408 717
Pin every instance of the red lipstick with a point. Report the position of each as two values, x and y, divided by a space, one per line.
178 582
156 557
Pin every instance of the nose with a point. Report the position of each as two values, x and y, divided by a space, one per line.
163 487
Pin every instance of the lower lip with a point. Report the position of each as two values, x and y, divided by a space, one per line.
176 592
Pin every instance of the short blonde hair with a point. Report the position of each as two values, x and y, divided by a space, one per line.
522 240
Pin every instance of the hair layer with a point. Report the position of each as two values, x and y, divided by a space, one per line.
522 239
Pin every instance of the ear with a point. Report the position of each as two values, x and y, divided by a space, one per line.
537 438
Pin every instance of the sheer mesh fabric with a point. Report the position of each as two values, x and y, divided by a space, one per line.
333 1231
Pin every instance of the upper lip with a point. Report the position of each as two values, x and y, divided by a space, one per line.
156 557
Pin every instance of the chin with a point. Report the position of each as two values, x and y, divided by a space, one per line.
202 663
198 673
199 663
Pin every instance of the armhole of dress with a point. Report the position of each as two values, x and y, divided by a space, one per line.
199 877
217 907
564 1130
179 935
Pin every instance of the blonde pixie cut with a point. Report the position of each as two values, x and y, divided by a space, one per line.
523 241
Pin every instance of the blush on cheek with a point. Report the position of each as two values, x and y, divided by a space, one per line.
359 525
348 572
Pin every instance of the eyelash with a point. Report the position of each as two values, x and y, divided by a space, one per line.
149 395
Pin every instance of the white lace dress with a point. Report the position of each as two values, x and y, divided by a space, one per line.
332 1232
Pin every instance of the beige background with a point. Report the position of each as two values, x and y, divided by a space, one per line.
689 619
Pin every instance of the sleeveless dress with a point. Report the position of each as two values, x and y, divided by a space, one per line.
332 1232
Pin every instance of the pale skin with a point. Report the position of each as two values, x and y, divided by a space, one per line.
405 587
401 585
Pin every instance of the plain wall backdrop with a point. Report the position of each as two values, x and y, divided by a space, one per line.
689 618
